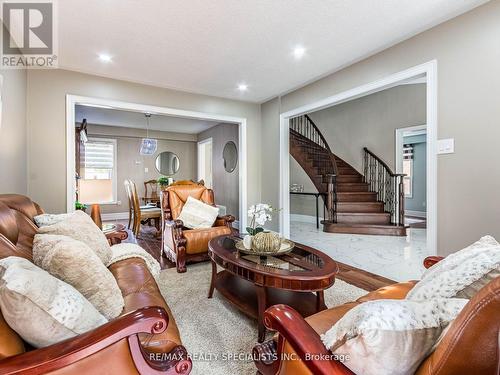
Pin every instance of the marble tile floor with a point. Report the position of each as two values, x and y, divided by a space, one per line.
397 258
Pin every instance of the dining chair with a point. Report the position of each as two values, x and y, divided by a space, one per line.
153 197
140 214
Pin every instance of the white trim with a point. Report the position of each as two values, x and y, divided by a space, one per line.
72 100
115 216
422 214
418 129
201 171
430 70
304 218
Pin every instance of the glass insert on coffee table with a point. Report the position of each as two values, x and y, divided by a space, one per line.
252 283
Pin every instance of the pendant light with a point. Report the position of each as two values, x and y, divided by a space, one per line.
148 145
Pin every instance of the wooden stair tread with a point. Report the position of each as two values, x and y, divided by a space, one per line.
358 208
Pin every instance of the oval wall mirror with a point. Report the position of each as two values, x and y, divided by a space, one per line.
230 156
167 163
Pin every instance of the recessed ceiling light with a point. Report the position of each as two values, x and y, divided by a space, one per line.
298 52
104 57
243 87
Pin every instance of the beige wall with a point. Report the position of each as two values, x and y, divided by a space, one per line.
132 165
13 141
225 184
466 49
47 90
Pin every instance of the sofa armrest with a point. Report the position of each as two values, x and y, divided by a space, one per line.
173 238
151 320
304 340
432 260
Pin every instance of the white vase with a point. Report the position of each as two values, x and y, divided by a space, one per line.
247 241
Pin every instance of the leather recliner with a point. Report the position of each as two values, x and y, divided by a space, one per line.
179 243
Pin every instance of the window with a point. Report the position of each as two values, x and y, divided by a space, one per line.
408 170
98 171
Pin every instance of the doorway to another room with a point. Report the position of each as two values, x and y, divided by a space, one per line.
343 148
111 142
411 160
205 162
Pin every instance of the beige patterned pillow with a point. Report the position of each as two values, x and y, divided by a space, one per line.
196 215
79 226
461 274
42 309
390 337
76 264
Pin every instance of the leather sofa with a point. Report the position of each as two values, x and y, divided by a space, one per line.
469 346
144 339
179 243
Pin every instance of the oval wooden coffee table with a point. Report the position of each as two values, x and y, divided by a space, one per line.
253 283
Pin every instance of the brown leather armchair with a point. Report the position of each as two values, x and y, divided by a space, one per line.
181 244
469 346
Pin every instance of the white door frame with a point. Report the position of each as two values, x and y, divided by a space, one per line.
399 144
73 100
430 71
200 164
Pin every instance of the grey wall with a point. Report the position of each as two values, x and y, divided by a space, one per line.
370 121
47 90
418 201
466 49
225 184
302 204
132 165
13 138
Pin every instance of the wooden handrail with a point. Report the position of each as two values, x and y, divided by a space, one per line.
306 128
332 158
391 173
387 184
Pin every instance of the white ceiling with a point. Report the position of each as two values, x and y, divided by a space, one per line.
211 46
128 119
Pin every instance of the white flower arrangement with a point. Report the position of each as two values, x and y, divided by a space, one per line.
259 214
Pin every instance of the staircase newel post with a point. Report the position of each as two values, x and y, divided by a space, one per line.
331 198
401 202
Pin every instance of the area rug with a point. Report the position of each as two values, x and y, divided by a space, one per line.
218 337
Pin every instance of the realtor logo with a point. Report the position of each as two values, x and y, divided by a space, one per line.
28 34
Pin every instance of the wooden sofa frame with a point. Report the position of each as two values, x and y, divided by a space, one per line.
176 227
294 329
152 320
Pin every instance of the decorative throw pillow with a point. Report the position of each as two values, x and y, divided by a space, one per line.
42 309
79 226
48 219
196 215
76 264
390 337
460 274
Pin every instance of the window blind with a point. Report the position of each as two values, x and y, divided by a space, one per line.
99 155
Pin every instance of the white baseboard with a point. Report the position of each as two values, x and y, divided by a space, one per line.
422 214
304 218
115 216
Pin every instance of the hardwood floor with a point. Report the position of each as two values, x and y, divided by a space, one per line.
352 275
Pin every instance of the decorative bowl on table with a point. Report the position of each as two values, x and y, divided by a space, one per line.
265 243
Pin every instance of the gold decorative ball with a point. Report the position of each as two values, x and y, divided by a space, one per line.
267 242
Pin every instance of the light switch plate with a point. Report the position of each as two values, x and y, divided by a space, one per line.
446 146
146 170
